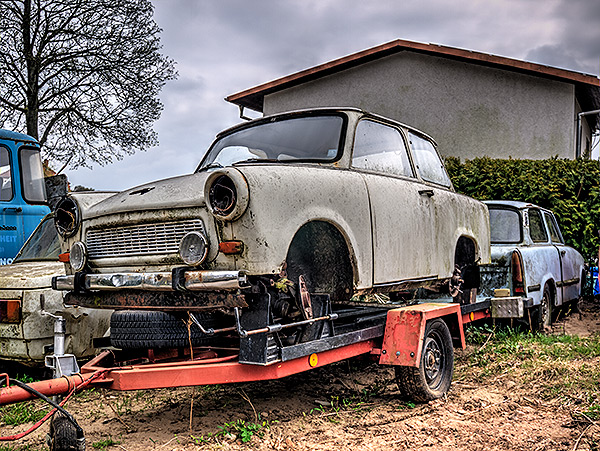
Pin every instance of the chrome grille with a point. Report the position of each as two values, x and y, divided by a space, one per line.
143 239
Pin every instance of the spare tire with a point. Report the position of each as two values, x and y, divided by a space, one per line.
133 329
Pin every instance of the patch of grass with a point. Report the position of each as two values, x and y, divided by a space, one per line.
565 368
21 448
20 413
103 444
244 430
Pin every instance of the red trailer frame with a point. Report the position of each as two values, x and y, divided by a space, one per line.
401 344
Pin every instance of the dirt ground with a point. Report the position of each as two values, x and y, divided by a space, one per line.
348 406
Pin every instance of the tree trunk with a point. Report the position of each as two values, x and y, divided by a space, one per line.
31 94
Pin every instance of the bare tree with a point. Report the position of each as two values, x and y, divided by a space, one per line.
82 76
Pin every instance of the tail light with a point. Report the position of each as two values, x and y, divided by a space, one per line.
10 311
518 279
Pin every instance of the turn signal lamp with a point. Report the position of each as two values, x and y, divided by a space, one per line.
10 311
64 257
231 247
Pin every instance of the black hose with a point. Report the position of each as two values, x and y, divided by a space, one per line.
52 403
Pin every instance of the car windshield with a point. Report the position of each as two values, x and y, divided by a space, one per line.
309 138
505 225
43 245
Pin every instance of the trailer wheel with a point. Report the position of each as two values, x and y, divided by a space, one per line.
63 435
431 380
132 329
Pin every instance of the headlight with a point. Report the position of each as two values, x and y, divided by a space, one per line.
78 256
193 248
66 217
226 194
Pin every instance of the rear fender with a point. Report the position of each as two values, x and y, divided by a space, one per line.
405 329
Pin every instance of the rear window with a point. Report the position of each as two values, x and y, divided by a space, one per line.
505 226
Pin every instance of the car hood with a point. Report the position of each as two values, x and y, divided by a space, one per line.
183 191
29 275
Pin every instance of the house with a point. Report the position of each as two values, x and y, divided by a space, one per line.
473 104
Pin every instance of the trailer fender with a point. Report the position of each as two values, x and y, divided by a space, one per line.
405 329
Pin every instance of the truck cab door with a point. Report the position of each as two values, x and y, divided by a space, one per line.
11 219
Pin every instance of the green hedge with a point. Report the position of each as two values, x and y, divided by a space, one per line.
570 188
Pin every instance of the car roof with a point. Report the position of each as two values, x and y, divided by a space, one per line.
511 203
325 110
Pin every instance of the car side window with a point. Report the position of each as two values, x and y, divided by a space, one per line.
537 231
429 165
555 235
380 148
6 191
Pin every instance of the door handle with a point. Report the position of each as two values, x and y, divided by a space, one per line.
426 192
15 209
562 253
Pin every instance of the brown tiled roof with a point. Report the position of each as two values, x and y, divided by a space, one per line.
587 86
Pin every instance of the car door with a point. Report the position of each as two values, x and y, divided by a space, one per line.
402 213
569 261
540 258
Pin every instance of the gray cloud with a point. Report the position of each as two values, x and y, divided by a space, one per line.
222 47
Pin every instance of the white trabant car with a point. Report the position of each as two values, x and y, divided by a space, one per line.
26 299
531 260
334 201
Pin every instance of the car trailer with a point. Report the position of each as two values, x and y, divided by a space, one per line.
417 339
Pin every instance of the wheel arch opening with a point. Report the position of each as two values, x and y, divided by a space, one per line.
321 253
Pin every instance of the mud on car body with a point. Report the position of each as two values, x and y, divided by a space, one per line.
333 201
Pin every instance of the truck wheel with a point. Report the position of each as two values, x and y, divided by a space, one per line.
131 329
431 380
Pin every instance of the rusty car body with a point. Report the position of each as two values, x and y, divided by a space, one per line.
334 201
531 261
26 296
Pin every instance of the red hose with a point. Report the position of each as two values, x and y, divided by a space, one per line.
51 412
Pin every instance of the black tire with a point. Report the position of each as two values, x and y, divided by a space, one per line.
545 310
63 435
132 329
431 380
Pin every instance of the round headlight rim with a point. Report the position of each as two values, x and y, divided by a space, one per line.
206 245
242 193
80 247
74 210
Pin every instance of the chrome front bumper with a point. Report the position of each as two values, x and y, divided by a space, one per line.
158 281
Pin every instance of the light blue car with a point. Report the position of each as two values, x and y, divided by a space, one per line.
531 260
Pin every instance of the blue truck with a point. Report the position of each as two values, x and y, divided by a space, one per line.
22 191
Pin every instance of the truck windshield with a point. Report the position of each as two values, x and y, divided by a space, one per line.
505 225
311 138
43 245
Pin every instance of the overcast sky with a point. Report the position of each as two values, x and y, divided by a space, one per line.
225 46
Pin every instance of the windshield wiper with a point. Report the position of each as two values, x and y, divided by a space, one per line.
212 165
256 160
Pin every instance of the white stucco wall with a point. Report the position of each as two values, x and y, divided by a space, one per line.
470 110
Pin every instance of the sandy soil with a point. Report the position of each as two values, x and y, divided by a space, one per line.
348 406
